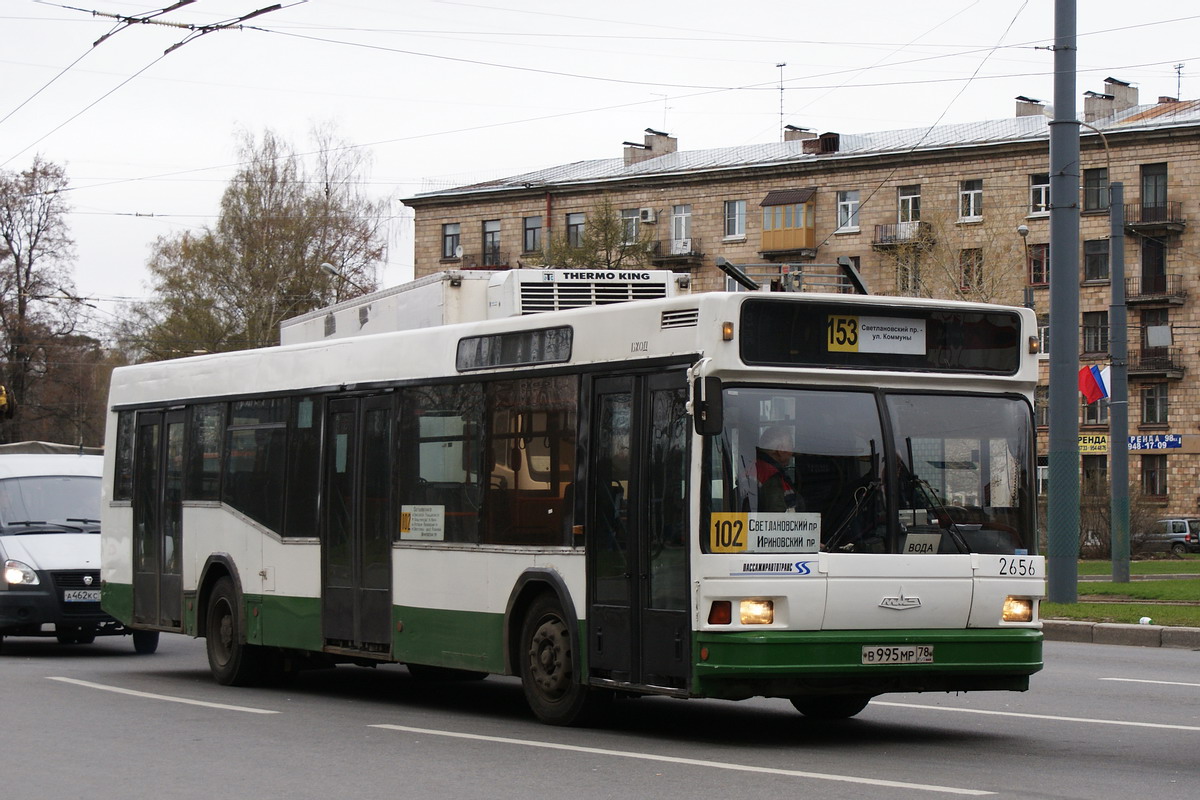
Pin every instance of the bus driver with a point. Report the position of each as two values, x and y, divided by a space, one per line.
773 468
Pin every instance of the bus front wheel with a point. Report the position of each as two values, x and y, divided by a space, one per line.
831 707
232 661
549 667
145 643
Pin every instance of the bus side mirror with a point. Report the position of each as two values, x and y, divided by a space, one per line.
708 413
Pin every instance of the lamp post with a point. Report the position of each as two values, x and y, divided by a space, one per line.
333 272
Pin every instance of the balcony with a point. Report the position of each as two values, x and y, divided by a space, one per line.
1155 289
488 259
902 233
1156 362
677 252
1160 218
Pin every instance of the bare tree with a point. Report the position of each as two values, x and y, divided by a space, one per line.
608 242
228 287
37 303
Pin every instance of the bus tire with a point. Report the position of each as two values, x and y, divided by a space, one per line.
841 706
549 671
231 661
145 643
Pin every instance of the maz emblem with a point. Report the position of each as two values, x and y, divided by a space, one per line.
900 603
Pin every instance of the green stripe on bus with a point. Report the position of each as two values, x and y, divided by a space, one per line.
458 639
772 655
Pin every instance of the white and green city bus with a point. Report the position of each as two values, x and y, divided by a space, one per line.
572 497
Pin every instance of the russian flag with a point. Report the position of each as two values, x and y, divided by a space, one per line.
1093 382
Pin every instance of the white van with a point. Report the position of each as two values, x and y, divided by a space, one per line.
50 548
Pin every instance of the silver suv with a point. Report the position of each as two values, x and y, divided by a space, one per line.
1179 536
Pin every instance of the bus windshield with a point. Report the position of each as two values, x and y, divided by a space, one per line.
806 470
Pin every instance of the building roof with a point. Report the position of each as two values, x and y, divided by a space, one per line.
853 145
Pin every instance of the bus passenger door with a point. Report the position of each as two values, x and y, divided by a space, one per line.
356 583
157 517
639 631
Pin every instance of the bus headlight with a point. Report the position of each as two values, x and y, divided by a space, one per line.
757 612
19 573
1017 609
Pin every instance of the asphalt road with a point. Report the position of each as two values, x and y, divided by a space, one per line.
97 721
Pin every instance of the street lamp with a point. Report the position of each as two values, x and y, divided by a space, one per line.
332 271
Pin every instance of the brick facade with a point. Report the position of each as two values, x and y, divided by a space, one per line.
1004 165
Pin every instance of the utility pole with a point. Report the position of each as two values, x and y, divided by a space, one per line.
1063 501
1118 402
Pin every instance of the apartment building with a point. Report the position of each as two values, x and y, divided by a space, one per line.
952 211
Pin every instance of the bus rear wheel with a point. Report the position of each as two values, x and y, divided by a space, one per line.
145 643
232 661
549 668
831 707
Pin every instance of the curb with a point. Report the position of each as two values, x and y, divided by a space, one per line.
1058 630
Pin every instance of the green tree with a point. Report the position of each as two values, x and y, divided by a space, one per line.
37 306
229 286
608 242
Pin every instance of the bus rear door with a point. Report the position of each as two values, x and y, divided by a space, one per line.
639 632
157 516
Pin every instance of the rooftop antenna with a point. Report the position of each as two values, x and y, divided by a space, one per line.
664 99
781 66
1179 81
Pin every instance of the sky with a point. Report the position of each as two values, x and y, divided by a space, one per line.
440 93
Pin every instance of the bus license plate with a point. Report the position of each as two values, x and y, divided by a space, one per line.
897 654
81 595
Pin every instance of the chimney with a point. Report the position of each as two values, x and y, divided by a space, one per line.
791 133
1164 99
656 143
824 144
1029 107
1097 106
1124 95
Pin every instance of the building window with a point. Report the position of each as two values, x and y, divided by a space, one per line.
735 219
970 269
1154 265
491 243
1095 260
575 229
532 242
1095 189
1039 193
1041 406
1039 264
1043 474
847 211
970 200
1154 192
451 239
681 222
1154 404
1094 413
630 225
1095 474
1095 332
1154 475
908 203
1043 323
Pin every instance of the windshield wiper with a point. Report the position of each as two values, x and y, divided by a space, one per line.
35 523
84 520
861 495
930 493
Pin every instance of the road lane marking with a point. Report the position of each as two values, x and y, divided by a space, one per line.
167 697
1160 683
1049 717
695 762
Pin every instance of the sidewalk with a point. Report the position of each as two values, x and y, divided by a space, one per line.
1059 630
